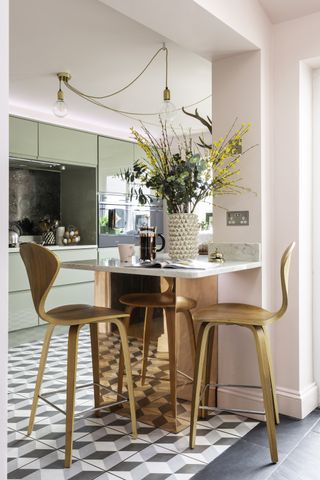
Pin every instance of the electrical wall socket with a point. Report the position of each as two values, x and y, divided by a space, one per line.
238 218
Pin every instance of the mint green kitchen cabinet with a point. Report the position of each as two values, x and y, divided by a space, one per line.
64 294
114 156
66 145
70 286
139 153
21 311
23 138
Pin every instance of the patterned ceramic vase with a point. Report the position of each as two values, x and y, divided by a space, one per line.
183 235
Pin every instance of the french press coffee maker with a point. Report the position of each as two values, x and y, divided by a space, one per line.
148 243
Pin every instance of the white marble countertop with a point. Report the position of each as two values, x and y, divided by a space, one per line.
57 247
115 266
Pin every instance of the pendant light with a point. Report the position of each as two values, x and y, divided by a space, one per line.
60 108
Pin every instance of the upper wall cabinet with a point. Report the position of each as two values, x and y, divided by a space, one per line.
138 153
23 138
114 156
67 145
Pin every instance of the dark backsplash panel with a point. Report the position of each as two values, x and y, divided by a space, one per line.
33 194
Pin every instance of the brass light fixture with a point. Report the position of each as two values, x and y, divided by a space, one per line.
167 112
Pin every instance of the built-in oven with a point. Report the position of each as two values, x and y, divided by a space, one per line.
120 218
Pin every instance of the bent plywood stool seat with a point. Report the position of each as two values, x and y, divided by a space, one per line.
42 267
171 304
256 319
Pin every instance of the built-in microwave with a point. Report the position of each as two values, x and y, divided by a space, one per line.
120 218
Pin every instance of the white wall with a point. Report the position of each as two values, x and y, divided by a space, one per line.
4 149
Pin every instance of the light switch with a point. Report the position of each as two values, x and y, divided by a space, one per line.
238 218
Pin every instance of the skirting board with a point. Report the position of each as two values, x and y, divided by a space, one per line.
291 402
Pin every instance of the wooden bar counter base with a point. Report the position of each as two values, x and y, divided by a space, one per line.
153 399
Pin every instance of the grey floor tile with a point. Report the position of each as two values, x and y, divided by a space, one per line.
304 462
105 448
51 467
154 460
316 428
210 443
289 432
23 450
243 461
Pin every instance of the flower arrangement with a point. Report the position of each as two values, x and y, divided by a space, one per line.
183 172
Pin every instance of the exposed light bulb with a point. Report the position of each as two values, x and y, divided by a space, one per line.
60 108
168 110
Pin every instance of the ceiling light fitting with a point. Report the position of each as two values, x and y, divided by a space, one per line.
60 108
167 112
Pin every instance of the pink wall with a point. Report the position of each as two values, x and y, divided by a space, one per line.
286 202
296 42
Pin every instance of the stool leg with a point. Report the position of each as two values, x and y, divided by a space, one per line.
202 341
127 363
126 324
192 335
146 341
266 389
170 315
273 383
95 364
207 372
42 364
71 390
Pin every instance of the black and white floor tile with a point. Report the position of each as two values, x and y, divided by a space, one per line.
103 447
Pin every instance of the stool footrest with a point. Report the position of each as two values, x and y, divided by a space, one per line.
83 414
230 385
234 410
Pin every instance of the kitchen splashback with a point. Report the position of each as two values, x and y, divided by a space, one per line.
33 194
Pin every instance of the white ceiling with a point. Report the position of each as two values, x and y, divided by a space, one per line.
103 50
282 10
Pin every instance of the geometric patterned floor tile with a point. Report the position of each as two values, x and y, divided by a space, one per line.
23 450
51 467
146 432
103 445
209 443
107 476
229 422
105 448
154 460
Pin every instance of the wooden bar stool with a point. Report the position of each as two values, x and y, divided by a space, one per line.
256 319
171 304
42 267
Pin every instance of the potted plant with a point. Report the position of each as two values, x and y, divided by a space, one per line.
184 172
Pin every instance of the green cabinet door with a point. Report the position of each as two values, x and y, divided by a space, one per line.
139 153
114 156
23 138
66 145
22 313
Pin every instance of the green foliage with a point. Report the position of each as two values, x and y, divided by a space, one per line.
185 175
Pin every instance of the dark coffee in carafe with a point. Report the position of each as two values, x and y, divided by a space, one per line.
148 243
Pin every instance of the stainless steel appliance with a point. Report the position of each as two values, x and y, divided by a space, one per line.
121 218
13 239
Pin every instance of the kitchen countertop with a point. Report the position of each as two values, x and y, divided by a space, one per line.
58 247
115 266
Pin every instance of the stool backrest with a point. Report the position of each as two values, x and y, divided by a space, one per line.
284 275
42 268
